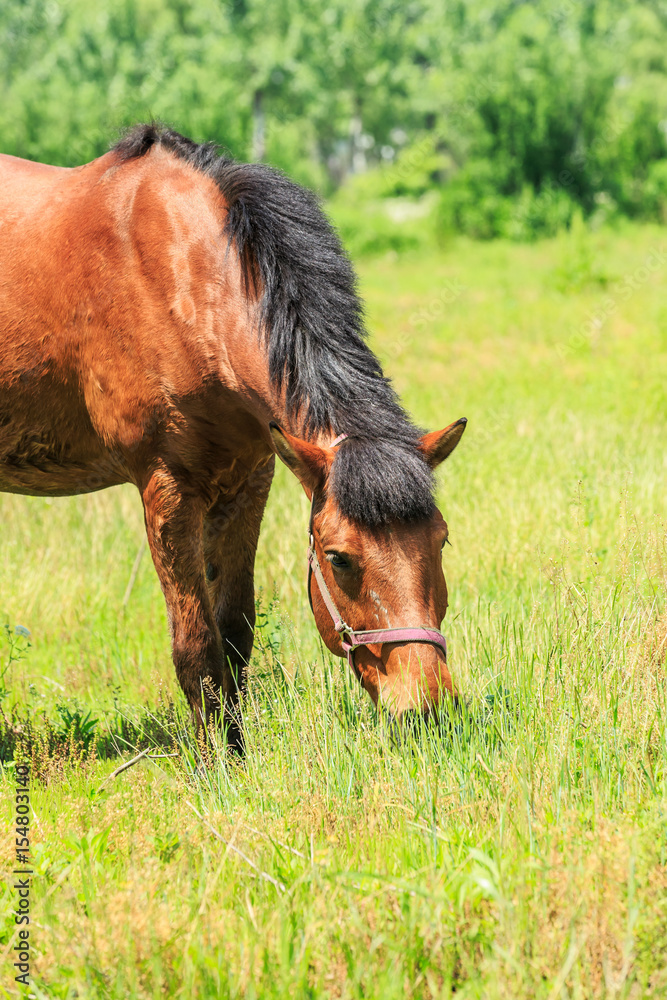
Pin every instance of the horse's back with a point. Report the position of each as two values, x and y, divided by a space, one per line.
19 175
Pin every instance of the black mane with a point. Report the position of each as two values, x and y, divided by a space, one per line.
312 322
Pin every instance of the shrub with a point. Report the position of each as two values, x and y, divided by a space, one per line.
654 201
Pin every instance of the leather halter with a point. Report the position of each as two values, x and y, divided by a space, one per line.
349 638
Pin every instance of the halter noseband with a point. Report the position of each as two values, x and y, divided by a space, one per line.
349 638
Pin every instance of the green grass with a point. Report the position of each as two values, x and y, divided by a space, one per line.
523 852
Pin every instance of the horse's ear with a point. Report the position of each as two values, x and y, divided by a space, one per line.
438 445
308 462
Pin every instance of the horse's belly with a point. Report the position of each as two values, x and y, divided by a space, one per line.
39 473
46 450
41 476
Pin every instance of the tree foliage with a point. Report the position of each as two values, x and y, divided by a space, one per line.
518 114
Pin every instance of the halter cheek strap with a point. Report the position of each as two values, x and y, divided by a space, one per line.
349 638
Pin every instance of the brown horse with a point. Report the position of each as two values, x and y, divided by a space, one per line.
164 313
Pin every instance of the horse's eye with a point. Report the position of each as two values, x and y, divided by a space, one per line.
445 541
338 561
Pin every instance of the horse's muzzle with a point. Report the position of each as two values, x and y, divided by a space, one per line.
415 722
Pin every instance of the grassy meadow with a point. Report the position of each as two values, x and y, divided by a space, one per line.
521 854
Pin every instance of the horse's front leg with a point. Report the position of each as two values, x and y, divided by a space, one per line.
174 525
231 533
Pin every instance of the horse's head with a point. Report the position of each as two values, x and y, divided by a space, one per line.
383 576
